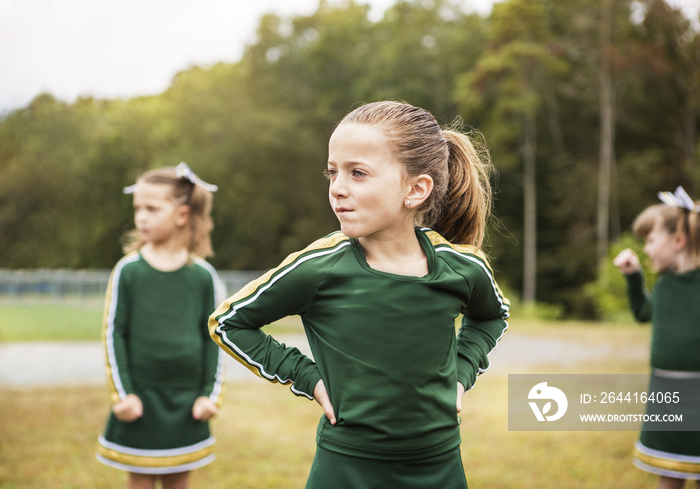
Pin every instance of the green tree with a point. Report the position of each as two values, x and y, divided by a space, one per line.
510 77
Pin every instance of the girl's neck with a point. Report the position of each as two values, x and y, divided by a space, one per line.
686 262
166 258
398 254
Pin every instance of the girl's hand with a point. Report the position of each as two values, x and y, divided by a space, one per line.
203 409
460 393
128 409
321 396
627 261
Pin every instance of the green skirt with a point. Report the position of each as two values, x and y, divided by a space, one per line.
668 463
165 440
331 469
672 453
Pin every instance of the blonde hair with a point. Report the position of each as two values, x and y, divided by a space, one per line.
184 192
673 220
460 203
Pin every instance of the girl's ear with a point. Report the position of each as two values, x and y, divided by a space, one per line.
182 215
420 189
680 241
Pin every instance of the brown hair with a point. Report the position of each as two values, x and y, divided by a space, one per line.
184 192
673 220
460 202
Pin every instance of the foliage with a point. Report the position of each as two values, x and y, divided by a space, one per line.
259 129
609 291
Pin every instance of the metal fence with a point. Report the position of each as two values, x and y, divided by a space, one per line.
60 284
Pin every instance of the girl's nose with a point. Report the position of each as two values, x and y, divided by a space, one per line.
338 187
139 217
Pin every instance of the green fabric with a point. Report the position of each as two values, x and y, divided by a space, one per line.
333 470
674 310
384 344
158 347
166 423
676 442
158 329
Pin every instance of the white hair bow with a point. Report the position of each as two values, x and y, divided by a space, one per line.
679 198
182 171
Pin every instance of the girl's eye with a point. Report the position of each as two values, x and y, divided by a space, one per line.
358 173
329 173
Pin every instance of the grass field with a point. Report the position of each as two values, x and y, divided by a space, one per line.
266 434
67 321
266 441
50 321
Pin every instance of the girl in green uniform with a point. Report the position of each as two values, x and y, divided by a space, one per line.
672 235
165 374
379 300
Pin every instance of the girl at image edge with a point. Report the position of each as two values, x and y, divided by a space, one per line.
378 301
672 242
165 374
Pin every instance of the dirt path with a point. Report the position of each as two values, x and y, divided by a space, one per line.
35 364
77 363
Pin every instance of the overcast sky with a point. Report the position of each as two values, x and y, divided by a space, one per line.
126 48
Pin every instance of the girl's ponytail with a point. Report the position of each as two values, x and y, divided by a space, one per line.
463 212
200 222
693 231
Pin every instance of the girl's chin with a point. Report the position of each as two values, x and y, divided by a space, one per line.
348 231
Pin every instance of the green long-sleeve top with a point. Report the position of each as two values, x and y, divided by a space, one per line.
674 310
155 328
384 344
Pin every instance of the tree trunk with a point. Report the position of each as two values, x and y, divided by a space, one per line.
606 135
530 210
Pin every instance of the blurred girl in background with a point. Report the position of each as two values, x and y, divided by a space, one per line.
165 373
672 242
